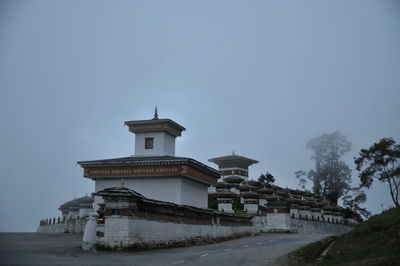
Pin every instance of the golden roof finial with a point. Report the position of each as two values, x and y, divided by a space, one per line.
121 183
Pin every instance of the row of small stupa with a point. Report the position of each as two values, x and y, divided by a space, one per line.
258 197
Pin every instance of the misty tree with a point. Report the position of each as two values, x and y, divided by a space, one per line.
353 201
331 177
266 179
381 161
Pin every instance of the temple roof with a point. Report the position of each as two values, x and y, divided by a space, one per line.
250 195
234 179
276 203
123 192
76 202
155 125
233 161
265 190
225 193
223 185
149 161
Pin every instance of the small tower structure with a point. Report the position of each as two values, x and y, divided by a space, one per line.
155 137
225 200
233 166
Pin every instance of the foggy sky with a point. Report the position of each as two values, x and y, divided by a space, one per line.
259 77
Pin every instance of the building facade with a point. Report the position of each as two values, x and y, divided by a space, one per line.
154 170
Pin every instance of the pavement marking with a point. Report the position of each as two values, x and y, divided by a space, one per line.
281 237
228 249
259 243
204 255
270 240
245 246
179 262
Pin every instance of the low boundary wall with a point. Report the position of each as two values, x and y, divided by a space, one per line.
51 228
132 220
317 227
72 225
129 232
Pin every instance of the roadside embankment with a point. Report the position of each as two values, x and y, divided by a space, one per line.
373 242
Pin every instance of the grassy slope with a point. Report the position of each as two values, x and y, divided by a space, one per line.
374 242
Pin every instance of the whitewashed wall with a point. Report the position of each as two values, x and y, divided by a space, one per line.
277 222
163 144
194 193
315 227
51 228
125 231
165 189
172 189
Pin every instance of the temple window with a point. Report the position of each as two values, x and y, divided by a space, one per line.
148 143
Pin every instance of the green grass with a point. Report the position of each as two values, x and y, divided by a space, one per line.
307 255
374 242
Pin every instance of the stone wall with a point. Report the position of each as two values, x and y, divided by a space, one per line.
51 228
132 220
125 231
72 225
317 227
279 222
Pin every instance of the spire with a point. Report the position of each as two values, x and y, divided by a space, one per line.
233 152
155 113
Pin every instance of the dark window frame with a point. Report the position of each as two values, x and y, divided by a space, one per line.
150 141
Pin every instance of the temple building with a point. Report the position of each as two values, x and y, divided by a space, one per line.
154 198
234 170
154 171
233 166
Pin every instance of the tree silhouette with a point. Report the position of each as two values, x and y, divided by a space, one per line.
381 161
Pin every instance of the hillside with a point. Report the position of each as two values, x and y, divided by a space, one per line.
373 242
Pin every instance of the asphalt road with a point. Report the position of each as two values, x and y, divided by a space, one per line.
36 249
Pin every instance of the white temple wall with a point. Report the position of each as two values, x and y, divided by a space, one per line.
194 193
73 214
163 144
85 212
227 207
171 189
329 218
305 214
125 231
251 208
169 145
278 222
316 216
165 189
294 213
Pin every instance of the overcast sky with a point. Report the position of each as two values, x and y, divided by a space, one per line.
259 77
